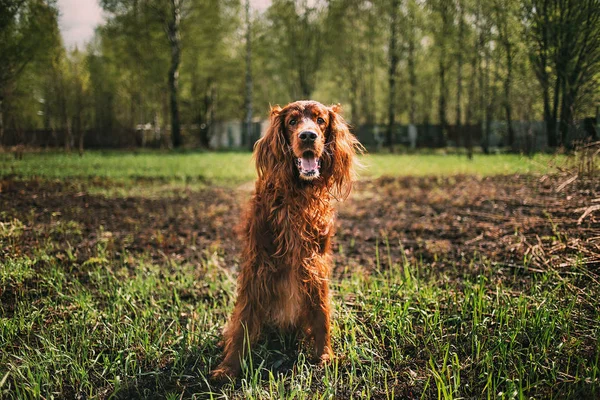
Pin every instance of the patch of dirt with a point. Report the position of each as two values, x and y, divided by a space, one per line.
183 226
510 220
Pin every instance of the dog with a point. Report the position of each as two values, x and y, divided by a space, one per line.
305 161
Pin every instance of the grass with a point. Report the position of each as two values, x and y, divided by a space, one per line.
205 168
151 330
122 324
448 165
237 168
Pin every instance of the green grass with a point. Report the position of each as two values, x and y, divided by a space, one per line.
444 165
203 168
106 322
236 168
108 327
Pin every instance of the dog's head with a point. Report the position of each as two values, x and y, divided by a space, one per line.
307 141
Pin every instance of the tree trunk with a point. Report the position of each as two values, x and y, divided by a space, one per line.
1 122
197 103
558 94
459 95
470 107
566 116
412 76
165 120
507 95
68 136
442 74
483 90
491 99
471 116
81 134
369 104
248 120
393 57
175 42
354 99
502 23
66 124
461 29
442 98
132 122
209 112
471 103
549 117
77 126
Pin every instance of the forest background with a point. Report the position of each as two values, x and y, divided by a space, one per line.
178 67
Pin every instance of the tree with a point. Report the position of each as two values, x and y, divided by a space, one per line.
505 14
442 31
411 25
296 31
485 87
171 17
541 52
28 29
579 54
212 66
248 93
131 59
393 57
459 56
57 94
79 78
168 14
564 45
193 63
349 50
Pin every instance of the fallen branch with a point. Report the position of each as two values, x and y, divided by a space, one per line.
587 212
567 182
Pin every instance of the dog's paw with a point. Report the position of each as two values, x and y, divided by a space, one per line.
326 357
223 373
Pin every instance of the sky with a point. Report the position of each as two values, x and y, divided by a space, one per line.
78 18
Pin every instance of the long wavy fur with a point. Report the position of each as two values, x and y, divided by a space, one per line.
286 234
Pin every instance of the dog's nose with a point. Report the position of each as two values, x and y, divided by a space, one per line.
308 136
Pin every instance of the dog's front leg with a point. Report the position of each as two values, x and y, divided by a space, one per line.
241 331
320 324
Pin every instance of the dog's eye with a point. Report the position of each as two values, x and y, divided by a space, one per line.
320 121
293 122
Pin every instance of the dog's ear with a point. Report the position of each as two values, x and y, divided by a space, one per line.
342 146
269 151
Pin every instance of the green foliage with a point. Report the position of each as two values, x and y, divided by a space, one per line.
563 43
335 51
27 29
28 34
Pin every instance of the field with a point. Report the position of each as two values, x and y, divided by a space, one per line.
452 279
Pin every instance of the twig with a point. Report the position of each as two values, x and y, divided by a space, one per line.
567 182
587 212
476 239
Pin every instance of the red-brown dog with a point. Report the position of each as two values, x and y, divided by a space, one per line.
304 162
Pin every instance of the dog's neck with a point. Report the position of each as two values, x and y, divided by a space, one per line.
315 190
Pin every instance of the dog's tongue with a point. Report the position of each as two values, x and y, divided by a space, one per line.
308 163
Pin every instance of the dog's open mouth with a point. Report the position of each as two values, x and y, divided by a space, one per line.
308 166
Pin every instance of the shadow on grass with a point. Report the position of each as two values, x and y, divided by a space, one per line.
189 376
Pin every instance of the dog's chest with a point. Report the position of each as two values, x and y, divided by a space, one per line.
301 228
290 303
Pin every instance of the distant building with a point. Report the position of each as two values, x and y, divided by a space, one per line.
230 134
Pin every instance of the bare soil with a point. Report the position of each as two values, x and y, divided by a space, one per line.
511 221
